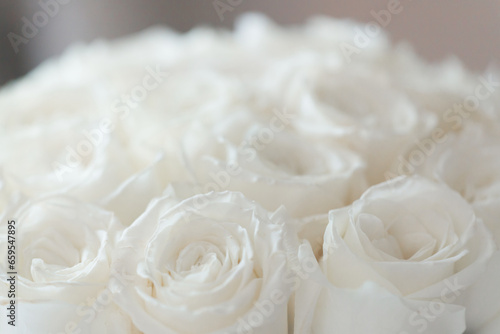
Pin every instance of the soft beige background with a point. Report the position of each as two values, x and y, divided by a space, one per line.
469 29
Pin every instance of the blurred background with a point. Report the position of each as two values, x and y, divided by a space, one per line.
33 30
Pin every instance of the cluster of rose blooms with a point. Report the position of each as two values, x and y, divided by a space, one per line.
255 181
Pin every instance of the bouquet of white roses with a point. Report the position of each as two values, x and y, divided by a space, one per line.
265 180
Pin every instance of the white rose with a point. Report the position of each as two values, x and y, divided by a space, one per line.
273 166
358 106
199 95
62 129
210 264
469 162
398 260
62 159
62 251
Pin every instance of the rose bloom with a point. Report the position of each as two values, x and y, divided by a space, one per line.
474 155
287 118
62 131
361 109
469 163
63 264
398 260
273 166
105 174
213 263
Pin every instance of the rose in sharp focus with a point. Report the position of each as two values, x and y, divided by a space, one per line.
402 257
209 264
469 162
